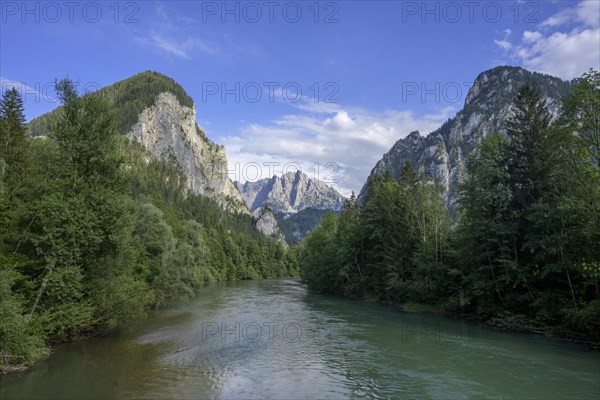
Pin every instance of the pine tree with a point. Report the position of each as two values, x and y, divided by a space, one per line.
381 237
486 229
13 142
526 164
526 130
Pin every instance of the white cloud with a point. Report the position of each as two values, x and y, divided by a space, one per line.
166 45
531 37
335 144
506 45
566 44
566 55
587 12
558 19
172 38
340 121
179 49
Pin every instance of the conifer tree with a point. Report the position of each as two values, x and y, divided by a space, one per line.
13 141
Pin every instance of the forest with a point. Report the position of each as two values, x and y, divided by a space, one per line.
95 232
523 251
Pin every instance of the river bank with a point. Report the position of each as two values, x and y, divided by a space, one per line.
507 322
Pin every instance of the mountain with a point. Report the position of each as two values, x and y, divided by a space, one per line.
289 194
296 201
168 129
155 111
267 223
296 226
442 153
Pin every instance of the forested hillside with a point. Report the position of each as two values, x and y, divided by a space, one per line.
296 226
524 249
94 230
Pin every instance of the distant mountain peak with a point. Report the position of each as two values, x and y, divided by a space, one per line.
290 193
297 201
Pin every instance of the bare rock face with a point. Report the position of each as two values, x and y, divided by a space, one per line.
169 130
442 154
276 202
267 223
290 194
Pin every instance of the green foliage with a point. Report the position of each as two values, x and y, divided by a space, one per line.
296 226
580 113
587 319
319 256
97 231
488 268
391 249
524 250
21 339
133 95
78 218
13 142
528 224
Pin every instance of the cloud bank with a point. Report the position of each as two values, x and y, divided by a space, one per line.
566 44
337 145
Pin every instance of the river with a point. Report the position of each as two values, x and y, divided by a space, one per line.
276 339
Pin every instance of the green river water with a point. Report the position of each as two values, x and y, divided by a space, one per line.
275 339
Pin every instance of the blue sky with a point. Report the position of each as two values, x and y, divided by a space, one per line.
304 84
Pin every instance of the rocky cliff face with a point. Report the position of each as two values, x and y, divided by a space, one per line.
289 194
276 202
169 130
267 223
441 154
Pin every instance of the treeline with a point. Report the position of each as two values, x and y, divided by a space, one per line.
94 231
524 250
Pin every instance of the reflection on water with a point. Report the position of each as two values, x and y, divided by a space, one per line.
274 339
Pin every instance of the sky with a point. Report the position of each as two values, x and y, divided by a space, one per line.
326 87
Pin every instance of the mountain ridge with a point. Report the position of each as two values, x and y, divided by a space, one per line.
289 194
442 153
295 201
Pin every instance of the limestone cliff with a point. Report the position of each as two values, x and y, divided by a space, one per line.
289 194
267 223
296 201
442 153
168 129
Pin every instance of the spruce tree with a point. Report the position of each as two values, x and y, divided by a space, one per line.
526 130
13 141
